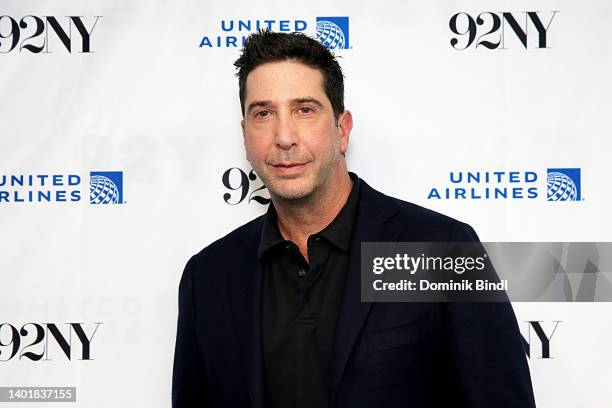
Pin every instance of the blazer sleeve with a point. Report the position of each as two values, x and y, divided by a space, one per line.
485 349
190 386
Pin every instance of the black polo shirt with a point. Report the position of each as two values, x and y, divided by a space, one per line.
300 307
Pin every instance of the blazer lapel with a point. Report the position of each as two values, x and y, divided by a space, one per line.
375 209
246 296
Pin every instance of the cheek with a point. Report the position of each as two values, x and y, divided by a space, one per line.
326 144
254 147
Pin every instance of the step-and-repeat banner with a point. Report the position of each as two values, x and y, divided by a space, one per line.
121 155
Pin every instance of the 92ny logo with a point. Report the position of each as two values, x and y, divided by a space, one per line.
35 34
236 179
543 338
33 341
492 30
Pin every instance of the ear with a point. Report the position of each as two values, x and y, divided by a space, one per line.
345 125
242 126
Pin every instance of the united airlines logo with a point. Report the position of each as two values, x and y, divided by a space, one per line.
106 187
560 184
563 185
332 32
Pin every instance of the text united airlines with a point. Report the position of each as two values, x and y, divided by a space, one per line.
40 188
228 39
488 185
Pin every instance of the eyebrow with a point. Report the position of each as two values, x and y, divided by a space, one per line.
266 103
256 104
308 100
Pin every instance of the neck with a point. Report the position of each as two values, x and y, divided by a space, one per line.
298 219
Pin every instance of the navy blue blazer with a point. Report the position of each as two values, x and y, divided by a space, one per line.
418 355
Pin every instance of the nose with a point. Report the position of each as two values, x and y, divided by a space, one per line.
286 135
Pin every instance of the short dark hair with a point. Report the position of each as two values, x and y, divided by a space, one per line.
266 46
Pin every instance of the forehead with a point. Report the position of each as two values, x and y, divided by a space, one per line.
281 80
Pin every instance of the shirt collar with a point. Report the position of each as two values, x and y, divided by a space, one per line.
338 232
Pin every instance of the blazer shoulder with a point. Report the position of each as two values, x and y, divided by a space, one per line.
439 227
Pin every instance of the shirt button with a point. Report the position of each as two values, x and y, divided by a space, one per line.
301 273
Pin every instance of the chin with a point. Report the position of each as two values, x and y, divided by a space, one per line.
290 189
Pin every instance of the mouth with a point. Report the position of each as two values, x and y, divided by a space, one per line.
289 168
288 165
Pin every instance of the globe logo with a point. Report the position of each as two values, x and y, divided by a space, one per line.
561 187
102 190
330 35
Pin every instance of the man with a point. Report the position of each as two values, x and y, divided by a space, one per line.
270 315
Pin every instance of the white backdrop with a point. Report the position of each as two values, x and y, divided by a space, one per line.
148 102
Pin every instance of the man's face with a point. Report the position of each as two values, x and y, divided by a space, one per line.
290 134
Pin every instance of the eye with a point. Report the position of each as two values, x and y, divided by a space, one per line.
262 114
305 110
